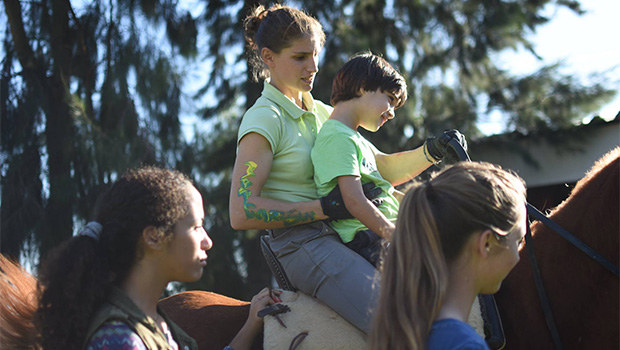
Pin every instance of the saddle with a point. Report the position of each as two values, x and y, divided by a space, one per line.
493 329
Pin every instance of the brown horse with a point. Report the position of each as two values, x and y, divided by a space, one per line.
211 319
583 296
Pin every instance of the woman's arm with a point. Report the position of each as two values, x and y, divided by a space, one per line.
248 210
362 209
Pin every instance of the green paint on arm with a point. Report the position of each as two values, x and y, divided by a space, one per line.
289 218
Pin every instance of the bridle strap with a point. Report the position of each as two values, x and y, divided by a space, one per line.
573 240
462 154
540 289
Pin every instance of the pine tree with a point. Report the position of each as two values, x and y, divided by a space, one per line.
86 94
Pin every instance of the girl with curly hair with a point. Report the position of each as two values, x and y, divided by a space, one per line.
99 290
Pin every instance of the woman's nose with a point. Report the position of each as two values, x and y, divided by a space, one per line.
313 66
206 243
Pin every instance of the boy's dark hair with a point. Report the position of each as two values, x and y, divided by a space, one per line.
368 72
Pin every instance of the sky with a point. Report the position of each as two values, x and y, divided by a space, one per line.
586 44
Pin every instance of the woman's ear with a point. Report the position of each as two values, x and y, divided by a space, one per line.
152 238
483 243
267 56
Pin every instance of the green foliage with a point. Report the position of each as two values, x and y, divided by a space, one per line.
95 93
445 50
89 92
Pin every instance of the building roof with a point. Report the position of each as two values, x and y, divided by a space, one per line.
550 157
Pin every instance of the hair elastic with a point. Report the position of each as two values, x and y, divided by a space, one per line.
92 229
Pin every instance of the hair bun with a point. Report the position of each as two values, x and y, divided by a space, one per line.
251 24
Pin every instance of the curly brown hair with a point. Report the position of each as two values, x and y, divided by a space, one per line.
77 276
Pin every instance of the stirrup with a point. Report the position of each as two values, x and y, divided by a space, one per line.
274 265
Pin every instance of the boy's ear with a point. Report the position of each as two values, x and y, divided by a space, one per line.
152 237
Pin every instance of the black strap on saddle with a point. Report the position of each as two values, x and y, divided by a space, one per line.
493 329
274 265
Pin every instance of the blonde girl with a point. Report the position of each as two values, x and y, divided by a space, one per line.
457 235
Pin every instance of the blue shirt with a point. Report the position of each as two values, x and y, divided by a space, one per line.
451 334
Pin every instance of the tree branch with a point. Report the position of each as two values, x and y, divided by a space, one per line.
25 54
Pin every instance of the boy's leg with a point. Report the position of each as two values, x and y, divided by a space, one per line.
367 244
318 264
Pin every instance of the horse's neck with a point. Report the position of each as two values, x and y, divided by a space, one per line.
591 211
591 214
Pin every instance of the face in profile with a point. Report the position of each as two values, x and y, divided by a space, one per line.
504 254
187 251
378 108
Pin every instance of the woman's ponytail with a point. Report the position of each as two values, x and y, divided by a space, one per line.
414 277
76 276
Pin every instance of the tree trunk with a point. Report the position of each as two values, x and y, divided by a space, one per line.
54 93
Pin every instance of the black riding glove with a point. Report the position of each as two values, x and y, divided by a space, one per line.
439 149
333 205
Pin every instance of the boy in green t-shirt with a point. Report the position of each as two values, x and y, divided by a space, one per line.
365 93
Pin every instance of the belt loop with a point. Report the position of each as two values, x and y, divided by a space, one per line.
270 233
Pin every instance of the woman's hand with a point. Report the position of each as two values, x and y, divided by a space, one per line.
263 299
243 340
334 207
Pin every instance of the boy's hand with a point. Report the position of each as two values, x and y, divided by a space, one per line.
439 149
333 204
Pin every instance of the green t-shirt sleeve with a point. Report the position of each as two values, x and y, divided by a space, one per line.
264 120
333 155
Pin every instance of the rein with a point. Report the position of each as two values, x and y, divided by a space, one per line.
529 244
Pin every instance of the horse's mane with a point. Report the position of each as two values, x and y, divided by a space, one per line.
18 304
599 187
